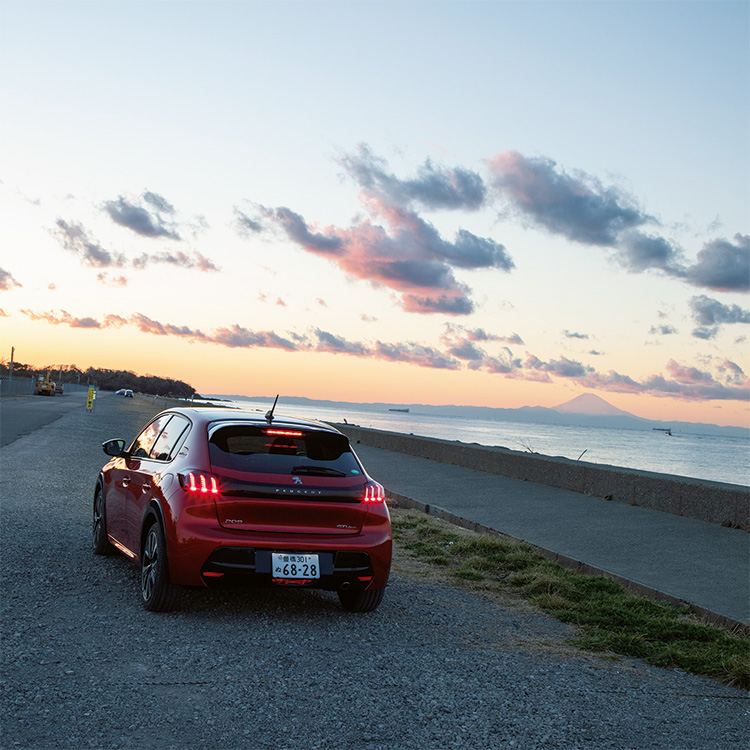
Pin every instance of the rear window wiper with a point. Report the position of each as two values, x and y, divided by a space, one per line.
318 471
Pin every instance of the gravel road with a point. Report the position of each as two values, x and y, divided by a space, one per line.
84 666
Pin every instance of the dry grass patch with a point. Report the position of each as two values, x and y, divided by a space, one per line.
607 617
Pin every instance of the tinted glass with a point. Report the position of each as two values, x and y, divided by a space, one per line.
170 437
144 442
258 449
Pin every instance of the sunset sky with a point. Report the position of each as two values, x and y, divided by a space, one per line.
487 203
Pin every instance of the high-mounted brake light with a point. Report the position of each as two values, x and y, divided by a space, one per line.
199 483
374 493
289 433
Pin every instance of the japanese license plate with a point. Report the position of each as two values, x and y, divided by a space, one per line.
286 565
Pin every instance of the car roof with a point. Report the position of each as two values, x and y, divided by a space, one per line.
213 415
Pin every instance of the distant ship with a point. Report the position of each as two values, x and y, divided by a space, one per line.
403 411
666 430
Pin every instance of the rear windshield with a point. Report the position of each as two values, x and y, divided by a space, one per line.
272 450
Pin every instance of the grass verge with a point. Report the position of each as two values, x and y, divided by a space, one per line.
608 618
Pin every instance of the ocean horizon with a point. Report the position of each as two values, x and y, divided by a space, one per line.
714 457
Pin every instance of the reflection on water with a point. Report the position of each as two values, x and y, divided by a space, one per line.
719 458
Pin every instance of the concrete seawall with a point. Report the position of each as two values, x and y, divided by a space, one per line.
714 502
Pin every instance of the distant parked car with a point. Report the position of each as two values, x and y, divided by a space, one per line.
209 496
124 392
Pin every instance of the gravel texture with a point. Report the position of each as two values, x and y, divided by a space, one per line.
84 666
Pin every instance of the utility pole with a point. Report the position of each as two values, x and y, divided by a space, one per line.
12 352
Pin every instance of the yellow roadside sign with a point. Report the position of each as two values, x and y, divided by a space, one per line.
90 399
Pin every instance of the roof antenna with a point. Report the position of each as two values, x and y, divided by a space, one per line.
269 414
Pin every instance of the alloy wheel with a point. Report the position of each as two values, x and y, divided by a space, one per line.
149 565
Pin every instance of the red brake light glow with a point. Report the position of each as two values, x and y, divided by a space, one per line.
198 482
374 493
289 433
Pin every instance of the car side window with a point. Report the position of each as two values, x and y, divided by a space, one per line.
170 438
142 445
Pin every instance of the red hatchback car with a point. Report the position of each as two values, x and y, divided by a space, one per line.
207 496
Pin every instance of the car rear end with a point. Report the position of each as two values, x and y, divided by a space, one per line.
285 503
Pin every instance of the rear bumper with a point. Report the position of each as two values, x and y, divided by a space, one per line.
220 556
338 571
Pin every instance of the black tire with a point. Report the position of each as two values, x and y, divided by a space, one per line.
157 593
361 601
100 541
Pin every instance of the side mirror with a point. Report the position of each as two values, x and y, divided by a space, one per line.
114 447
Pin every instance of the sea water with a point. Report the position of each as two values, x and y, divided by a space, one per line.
714 457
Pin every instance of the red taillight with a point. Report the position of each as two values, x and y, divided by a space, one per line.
289 433
374 493
200 483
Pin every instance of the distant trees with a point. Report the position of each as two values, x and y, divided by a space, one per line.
107 380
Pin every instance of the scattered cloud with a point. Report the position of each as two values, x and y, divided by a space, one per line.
663 330
7 282
710 315
237 336
462 343
415 354
432 188
723 266
575 335
478 334
194 260
707 312
328 342
638 252
576 206
158 202
154 219
107 280
563 367
503 363
295 227
731 373
245 225
63 318
76 240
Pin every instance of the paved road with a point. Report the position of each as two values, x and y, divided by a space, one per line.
22 415
435 667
